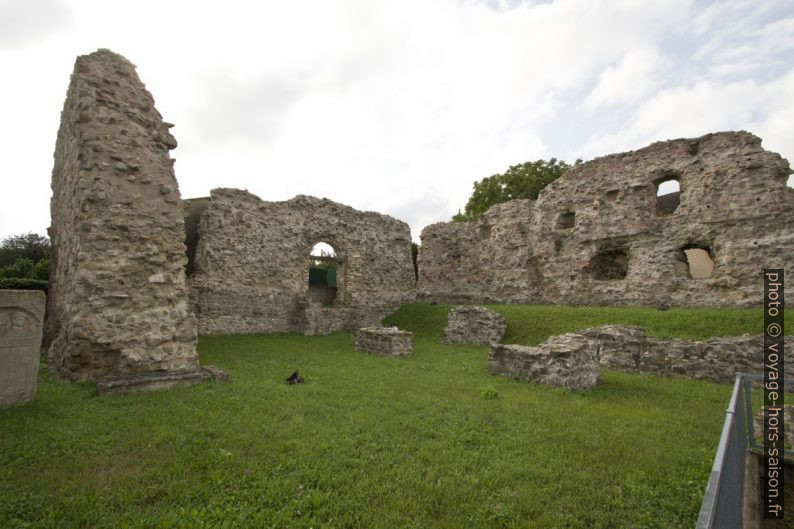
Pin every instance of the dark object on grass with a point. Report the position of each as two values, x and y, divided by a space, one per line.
663 306
295 378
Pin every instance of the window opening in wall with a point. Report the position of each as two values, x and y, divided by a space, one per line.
323 273
194 208
609 265
668 195
700 261
566 220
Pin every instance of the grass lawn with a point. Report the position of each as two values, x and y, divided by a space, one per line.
427 441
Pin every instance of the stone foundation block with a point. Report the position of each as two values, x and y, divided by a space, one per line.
149 381
474 326
565 361
385 341
629 349
21 320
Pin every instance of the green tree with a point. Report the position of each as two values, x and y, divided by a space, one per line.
30 245
525 180
25 256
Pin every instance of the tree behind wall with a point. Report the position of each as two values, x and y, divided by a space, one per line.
525 180
25 256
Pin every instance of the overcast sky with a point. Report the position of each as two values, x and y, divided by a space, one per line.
396 106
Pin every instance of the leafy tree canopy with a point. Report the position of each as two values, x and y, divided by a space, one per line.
525 180
29 245
25 256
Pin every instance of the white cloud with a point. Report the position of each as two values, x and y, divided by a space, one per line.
629 81
23 22
399 107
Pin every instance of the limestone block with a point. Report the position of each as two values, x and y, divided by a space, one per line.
21 321
386 341
474 325
566 361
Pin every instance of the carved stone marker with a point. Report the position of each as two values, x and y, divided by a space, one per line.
565 361
385 341
474 325
21 320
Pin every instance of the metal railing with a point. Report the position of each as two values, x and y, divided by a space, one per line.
723 503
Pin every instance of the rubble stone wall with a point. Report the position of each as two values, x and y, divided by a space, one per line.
597 237
566 361
117 299
629 349
251 266
473 326
384 341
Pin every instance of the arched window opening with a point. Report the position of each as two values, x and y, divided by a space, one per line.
608 265
699 260
323 274
668 195
566 220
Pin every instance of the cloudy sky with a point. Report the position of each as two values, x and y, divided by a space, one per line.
396 106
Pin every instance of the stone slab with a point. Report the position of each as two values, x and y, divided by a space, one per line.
113 385
21 322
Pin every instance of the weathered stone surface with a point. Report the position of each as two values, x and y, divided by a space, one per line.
152 380
117 302
719 359
21 320
251 264
566 361
474 325
597 236
214 373
386 341
788 422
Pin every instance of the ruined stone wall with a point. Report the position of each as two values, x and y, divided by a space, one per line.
384 341
251 265
629 349
117 301
596 237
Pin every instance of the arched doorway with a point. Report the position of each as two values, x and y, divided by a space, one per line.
324 268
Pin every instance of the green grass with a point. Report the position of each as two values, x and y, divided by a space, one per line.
427 441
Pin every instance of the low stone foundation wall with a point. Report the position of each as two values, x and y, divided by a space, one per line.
113 385
21 321
474 326
630 349
386 341
566 361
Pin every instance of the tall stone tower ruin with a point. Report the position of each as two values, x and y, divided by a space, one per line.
117 301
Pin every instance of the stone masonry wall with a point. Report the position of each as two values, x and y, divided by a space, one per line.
566 361
474 326
251 265
384 341
629 349
596 237
117 300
